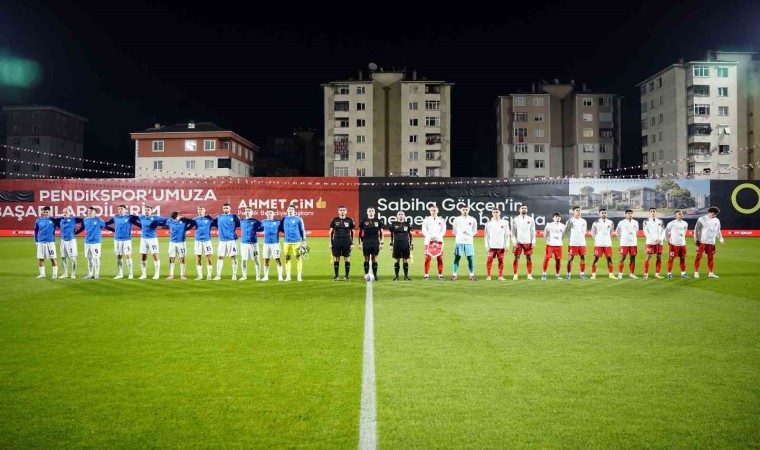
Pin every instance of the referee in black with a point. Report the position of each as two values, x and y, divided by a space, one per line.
370 240
342 240
401 242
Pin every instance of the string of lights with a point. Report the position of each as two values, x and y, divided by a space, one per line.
58 166
62 156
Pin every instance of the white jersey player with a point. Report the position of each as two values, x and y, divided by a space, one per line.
497 237
576 228
523 239
675 234
706 232
601 233
627 231
464 228
654 231
433 229
553 234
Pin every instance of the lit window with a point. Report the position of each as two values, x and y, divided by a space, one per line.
340 171
191 145
588 101
588 117
538 132
520 101
588 132
538 101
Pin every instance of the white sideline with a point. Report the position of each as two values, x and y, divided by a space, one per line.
368 413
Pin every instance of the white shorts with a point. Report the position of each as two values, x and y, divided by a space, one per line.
148 245
271 251
177 249
92 250
203 248
227 248
249 251
46 250
69 248
122 248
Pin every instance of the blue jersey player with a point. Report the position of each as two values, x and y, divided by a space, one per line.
227 223
44 238
203 224
69 251
178 227
122 239
294 232
149 241
92 225
249 246
272 228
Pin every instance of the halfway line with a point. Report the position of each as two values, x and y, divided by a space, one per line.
368 414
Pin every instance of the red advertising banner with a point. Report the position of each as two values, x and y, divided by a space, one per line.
316 199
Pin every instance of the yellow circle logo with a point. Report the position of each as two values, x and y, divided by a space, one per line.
739 189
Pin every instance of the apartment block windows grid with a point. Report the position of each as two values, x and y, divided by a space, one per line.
432 105
520 117
701 71
521 148
432 121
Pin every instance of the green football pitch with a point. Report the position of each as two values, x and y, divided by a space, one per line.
528 364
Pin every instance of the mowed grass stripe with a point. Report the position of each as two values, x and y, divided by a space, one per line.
143 363
604 363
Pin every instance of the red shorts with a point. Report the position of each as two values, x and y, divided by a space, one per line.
602 251
554 250
654 249
706 248
434 249
576 250
628 251
677 251
496 253
523 248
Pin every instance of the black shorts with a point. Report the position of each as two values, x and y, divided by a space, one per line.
371 247
341 247
401 250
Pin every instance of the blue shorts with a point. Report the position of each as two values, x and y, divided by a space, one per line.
464 250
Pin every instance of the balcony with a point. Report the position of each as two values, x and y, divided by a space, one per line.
433 139
698 90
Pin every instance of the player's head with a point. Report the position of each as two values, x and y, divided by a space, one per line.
576 211
713 211
371 212
147 209
679 214
67 212
653 212
174 215
269 214
433 210
122 209
464 210
523 209
291 210
342 210
495 213
226 208
603 213
248 212
91 212
201 211
629 214
557 216
45 211
401 216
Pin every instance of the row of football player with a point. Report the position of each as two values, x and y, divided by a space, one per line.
291 226
520 236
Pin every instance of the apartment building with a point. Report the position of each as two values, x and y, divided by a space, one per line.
387 125
192 149
697 118
555 130
46 141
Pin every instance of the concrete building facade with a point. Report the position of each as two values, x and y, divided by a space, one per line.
387 125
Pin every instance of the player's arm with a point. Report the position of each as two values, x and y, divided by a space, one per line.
486 235
361 234
720 235
390 228
36 231
189 223
533 233
237 220
351 228
411 241
214 223
134 220
332 233
697 231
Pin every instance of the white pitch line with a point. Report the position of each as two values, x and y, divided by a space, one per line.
368 413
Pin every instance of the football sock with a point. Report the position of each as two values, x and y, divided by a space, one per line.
406 269
347 267
395 268
366 267
336 267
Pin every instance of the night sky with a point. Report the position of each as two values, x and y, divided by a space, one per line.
257 70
